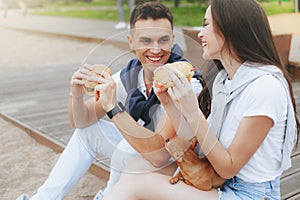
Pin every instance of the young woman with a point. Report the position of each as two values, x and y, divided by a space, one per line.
249 135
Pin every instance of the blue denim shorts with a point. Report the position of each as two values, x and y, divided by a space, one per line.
237 189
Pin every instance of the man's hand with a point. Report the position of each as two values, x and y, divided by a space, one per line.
78 79
105 91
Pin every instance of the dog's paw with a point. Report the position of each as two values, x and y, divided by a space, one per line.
174 180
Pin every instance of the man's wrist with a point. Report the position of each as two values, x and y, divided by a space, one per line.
119 107
75 95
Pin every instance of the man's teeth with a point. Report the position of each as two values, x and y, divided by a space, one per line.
154 59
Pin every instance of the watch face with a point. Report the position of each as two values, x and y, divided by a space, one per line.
118 108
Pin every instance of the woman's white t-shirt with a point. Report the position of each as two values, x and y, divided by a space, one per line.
263 97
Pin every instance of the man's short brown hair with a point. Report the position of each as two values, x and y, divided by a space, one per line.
153 10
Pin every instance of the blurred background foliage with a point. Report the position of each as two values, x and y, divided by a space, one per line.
186 12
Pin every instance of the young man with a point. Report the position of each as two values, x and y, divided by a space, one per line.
152 39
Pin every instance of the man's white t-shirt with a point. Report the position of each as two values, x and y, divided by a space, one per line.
263 97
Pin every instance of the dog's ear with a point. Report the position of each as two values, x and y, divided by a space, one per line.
194 142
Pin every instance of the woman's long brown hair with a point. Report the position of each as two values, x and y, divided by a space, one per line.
247 34
204 98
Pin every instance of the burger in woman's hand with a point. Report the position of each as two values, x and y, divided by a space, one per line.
162 78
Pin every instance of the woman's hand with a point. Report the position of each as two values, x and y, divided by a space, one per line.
182 95
179 101
105 91
78 79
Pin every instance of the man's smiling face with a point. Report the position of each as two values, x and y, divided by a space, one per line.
152 41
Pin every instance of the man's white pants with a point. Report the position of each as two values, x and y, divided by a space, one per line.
101 138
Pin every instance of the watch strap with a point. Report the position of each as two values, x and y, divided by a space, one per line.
119 107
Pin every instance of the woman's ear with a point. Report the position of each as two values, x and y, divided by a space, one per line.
130 42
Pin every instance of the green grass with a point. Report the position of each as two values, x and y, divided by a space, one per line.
272 8
88 14
188 14
192 16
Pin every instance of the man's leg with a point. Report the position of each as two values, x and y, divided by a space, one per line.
126 160
121 155
86 144
120 158
70 167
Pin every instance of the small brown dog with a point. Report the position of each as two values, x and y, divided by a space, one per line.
194 171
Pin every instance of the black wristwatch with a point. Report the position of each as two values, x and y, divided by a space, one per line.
118 108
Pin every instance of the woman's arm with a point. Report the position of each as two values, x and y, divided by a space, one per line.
249 136
174 112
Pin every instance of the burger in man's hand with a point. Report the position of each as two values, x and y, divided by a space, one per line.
97 71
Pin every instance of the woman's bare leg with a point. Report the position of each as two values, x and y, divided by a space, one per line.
155 186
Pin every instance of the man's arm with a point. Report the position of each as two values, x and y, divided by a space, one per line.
149 144
83 114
